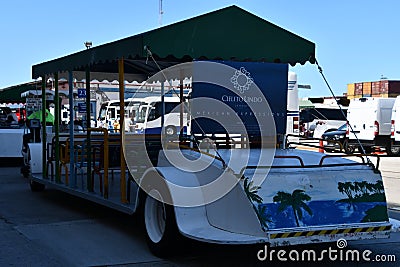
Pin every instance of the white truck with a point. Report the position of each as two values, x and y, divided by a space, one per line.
395 130
369 120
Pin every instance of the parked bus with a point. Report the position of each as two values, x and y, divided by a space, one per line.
110 112
148 118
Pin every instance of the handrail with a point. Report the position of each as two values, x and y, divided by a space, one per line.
378 158
291 157
320 164
341 156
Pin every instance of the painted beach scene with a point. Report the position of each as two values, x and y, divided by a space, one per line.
306 199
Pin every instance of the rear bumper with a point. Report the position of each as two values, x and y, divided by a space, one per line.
395 143
332 145
327 234
276 238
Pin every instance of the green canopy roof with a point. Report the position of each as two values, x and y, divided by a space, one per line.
230 33
12 94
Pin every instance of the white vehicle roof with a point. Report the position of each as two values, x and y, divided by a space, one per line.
152 99
134 99
372 101
397 101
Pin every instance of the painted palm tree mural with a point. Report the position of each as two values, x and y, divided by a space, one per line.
296 201
251 191
362 192
328 202
347 188
252 194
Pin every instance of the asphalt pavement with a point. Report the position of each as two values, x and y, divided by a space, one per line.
52 228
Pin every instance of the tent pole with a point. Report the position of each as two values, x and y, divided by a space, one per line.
182 110
71 127
43 137
121 126
57 127
88 125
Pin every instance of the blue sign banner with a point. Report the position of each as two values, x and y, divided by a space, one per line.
81 93
252 95
82 107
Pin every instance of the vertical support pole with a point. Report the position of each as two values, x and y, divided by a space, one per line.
182 110
43 137
88 144
71 127
57 116
162 107
121 79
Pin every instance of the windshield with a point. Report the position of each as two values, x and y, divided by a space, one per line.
343 127
308 115
141 114
102 112
156 111
131 109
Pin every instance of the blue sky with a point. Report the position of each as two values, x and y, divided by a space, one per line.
355 40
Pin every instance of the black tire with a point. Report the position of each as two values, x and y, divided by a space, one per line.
162 234
36 187
329 150
393 150
348 149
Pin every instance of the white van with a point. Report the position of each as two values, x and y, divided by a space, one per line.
395 131
370 120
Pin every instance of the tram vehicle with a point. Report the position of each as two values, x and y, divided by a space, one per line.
231 181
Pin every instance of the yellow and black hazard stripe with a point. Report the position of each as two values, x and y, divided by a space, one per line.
331 232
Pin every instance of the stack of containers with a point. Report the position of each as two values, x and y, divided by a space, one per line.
382 88
387 88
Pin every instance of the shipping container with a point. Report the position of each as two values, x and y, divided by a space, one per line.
384 87
350 89
358 90
376 88
367 89
390 87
